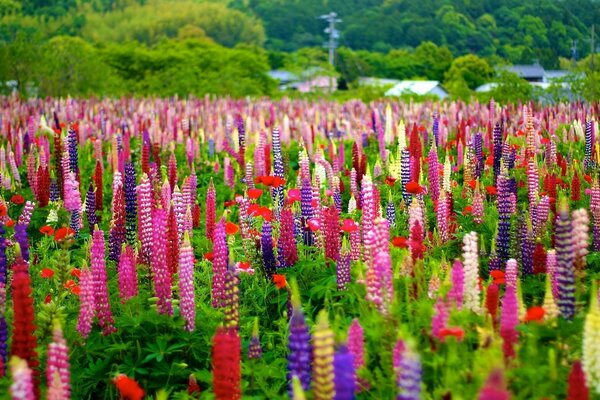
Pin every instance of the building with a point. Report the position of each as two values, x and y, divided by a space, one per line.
310 80
377 82
421 88
535 73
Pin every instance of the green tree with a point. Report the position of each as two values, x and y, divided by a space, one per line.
467 72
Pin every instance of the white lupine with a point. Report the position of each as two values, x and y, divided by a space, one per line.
591 346
471 267
581 233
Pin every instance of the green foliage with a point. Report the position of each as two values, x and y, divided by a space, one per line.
510 88
465 74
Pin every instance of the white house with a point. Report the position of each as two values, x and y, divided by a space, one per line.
420 88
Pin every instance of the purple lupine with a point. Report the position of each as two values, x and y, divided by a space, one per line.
527 248
72 149
287 251
344 374
497 140
458 284
130 204
128 286
254 348
54 190
405 174
158 262
116 236
433 172
509 321
587 160
390 212
300 349
551 270
102 305
356 346
187 303
220 263
20 236
211 204
26 214
478 150
532 182
343 270
409 378
504 211
542 210
90 208
565 270
58 365
267 249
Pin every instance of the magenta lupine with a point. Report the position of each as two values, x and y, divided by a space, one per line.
58 364
495 387
87 302
116 236
356 346
72 195
219 265
22 380
158 261
541 215
581 222
368 204
98 254
26 214
211 204
187 304
442 217
433 172
551 270
440 318
399 349
287 251
356 245
128 286
332 233
343 269
456 293
509 321
144 193
165 194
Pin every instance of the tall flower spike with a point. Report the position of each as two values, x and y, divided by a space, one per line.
144 193
440 318
565 270
87 307
128 286
116 236
226 364
254 348
97 251
508 321
267 249
187 304
356 346
409 377
219 265
442 217
130 204
300 349
211 199
591 343
581 222
578 388
323 384
158 262
343 270
58 363
232 297
22 387
495 387
332 233
343 365
287 251
471 266
456 293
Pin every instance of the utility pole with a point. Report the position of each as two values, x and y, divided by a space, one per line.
574 52
331 44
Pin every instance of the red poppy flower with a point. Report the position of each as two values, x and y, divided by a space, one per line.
349 225
254 210
279 281
457 332
75 289
491 190
70 284
534 314
48 299
75 273
47 230
400 242
208 256
472 183
128 388
413 187
47 273
293 195
498 277
468 210
268 180
277 181
266 214
545 140
244 265
231 228
17 199
10 223
229 203
390 181
313 224
588 178
3 210
254 193
489 161
64 233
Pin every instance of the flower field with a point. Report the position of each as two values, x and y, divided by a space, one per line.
262 249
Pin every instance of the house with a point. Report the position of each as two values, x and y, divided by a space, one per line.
421 88
377 82
531 73
310 80
285 78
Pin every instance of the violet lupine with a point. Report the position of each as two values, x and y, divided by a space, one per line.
102 305
565 270
87 302
254 348
128 286
220 263
22 380
90 208
456 293
187 304
267 249
551 270
211 204
278 170
504 211
344 374
130 204
581 222
542 210
433 172
409 377
20 236
248 175
332 233
390 211
440 318
287 251
595 209
405 175
368 204
587 161
442 217
343 270
323 354
378 285
497 140
356 346
144 193
72 150
299 345
158 262
509 321
527 248
58 364
116 236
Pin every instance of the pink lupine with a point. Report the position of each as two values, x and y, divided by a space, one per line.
355 245
22 381
415 214
32 172
98 254
211 204
128 286
511 274
478 206
368 204
87 302
220 263
172 171
13 168
356 346
399 349
456 293
58 364
144 195
541 215
509 321
187 302
379 288
72 195
440 318
158 262
165 194
433 172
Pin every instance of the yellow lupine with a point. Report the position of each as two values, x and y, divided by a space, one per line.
323 352
591 344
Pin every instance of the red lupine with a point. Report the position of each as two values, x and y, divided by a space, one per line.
99 185
575 187
577 389
226 364
491 302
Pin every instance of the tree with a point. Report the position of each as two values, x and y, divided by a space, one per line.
470 71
